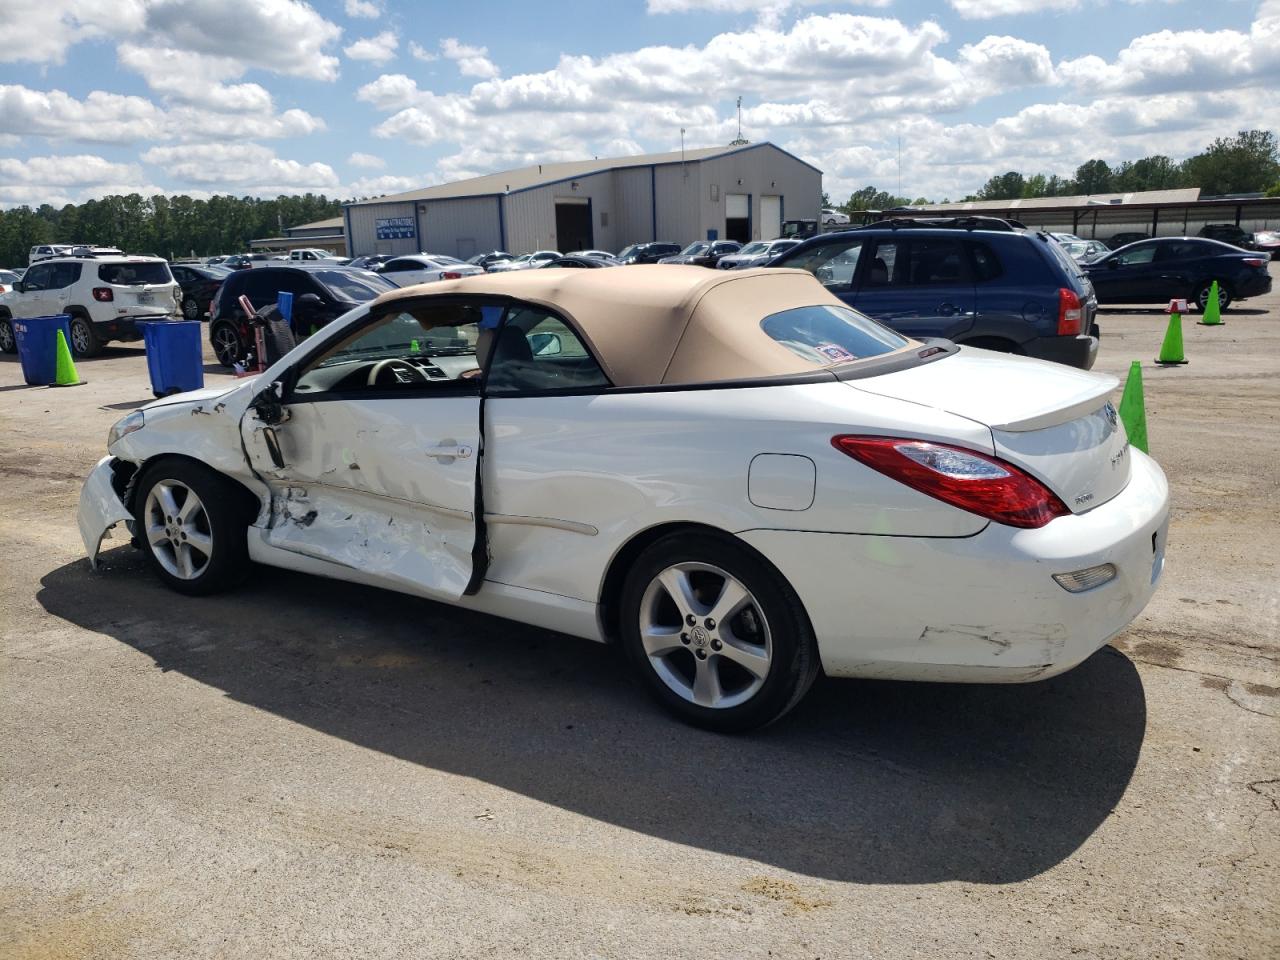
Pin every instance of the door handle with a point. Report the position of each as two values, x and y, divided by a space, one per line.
450 452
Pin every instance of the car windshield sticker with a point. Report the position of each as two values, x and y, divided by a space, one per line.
834 352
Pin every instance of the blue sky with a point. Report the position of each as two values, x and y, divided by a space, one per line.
360 97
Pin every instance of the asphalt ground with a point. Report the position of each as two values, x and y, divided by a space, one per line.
312 769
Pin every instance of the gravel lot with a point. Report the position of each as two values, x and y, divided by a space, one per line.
311 769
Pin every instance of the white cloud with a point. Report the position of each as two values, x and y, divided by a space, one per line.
195 78
242 168
1192 60
419 52
103 117
472 61
989 9
283 36
40 31
59 180
362 9
378 186
376 49
366 160
741 6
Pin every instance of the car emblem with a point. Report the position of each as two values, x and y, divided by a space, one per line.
698 636
1110 412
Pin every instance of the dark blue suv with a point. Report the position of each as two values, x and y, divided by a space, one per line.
974 280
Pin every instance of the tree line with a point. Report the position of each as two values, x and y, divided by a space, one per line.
170 227
1246 163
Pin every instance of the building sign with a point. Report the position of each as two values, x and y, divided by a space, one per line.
395 228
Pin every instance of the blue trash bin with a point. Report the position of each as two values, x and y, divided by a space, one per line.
38 347
175 355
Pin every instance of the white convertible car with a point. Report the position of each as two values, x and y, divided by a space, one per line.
731 473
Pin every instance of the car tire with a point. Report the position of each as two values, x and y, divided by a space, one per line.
228 346
191 308
84 339
199 546
8 342
730 676
1202 296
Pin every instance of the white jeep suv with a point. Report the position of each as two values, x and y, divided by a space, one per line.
103 296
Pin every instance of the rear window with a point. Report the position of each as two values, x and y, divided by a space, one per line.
353 287
134 274
829 334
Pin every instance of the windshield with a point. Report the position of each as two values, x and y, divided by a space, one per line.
354 287
751 249
695 248
134 274
445 259
627 251
828 334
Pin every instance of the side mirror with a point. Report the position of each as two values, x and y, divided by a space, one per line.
20 286
545 344
309 300
1113 263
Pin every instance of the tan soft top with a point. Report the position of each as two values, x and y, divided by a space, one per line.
660 323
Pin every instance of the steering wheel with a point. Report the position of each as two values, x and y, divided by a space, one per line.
405 372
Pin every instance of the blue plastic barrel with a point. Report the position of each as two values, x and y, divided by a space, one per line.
38 346
175 355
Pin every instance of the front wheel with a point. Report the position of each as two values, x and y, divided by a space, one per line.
190 308
1202 296
8 342
84 339
716 635
193 526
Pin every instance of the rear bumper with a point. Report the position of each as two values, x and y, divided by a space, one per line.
1080 351
126 328
981 609
1255 286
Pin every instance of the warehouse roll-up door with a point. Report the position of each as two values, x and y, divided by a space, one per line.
770 217
737 217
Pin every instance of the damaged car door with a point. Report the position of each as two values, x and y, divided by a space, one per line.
370 446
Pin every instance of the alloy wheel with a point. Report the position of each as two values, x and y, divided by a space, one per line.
8 343
705 635
226 344
177 528
81 341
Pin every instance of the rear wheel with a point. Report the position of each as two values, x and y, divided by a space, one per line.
8 342
1202 296
227 345
84 339
193 526
190 308
716 635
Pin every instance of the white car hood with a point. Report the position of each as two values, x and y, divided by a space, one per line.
199 396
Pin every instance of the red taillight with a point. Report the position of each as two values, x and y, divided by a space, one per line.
450 275
963 478
103 294
1255 262
1070 313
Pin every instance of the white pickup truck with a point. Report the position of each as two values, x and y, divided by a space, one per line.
311 254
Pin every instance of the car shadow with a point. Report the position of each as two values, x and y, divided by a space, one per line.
1164 311
871 782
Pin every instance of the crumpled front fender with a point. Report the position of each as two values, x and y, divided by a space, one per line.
100 509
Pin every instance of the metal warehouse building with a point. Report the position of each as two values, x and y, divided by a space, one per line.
737 192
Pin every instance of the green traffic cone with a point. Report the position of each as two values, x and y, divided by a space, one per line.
1212 312
1171 350
1133 410
66 374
